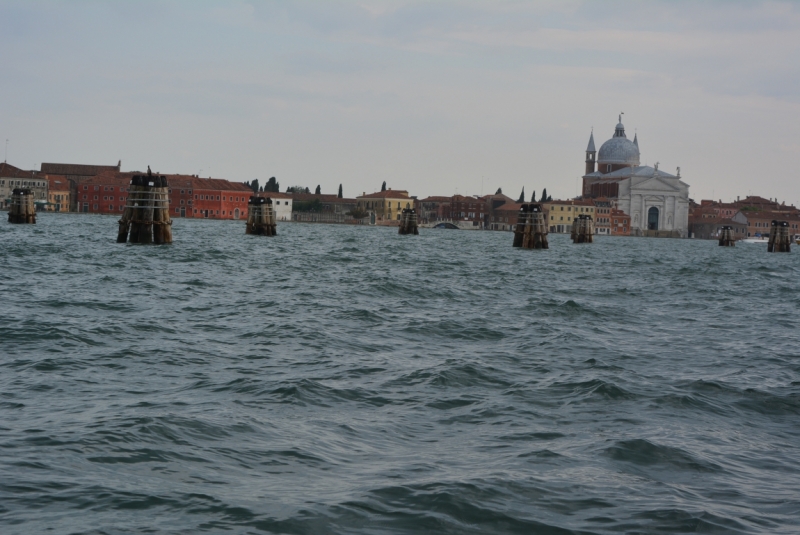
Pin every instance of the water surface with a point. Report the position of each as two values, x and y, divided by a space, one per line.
348 380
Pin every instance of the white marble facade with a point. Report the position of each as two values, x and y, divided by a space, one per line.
655 200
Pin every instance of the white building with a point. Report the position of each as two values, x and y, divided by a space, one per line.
281 203
657 202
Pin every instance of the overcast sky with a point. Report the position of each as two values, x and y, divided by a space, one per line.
434 97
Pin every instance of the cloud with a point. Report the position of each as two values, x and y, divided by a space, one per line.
428 95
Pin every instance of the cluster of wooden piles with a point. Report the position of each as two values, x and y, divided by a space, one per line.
260 217
582 229
146 216
779 240
726 237
408 222
21 209
531 229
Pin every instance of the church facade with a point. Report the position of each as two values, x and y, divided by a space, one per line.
657 202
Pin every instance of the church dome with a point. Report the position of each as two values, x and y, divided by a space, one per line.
619 150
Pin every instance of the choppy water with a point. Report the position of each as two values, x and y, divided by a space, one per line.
350 380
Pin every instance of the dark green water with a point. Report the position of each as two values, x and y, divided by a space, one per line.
349 380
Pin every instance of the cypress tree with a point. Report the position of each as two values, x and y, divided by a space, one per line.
544 195
499 191
340 191
383 187
522 195
533 197
318 191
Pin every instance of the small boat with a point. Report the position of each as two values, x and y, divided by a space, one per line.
757 239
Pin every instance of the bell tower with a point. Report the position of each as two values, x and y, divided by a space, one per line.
591 155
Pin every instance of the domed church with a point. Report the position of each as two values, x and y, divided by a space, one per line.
657 202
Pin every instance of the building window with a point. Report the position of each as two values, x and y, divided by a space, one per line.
181 201
217 197
94 207
95 197
177 210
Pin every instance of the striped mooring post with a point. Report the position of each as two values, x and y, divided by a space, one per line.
408 222
260 217
22 209
146 217
726 237
582 229
531 229
779 241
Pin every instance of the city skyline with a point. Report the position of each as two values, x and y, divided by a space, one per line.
436 98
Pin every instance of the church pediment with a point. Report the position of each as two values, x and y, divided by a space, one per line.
657 184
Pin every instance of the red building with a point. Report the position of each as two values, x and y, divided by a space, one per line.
620 223
504 217
189 196
433 209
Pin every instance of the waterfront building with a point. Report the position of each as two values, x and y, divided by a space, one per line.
13 177
706 223
504 217
620 223
77 173
59 194
602 210
434 209
211 198
469 213
758 223
657 201
281 203
559 214
189 196
385 206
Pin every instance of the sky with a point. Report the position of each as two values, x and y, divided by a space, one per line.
434 97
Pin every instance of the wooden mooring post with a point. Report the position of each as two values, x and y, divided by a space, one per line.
22 209
726 237
146 217
531 229
260 217
779 240
582 229
408 222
